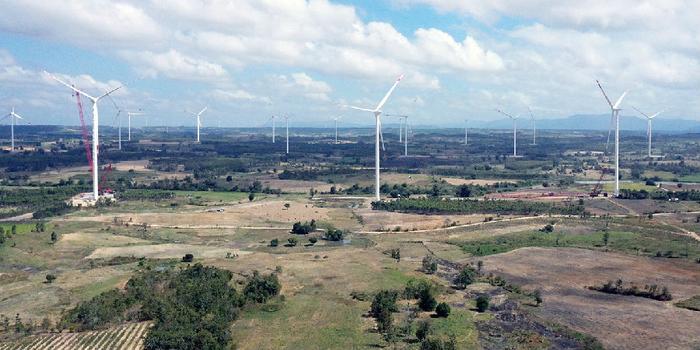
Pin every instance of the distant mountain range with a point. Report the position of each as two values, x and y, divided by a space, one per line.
574 122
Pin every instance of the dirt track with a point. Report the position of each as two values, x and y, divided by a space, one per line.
619 322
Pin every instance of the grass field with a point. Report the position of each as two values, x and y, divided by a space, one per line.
692 303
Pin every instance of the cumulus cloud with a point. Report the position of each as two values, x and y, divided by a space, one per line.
175 65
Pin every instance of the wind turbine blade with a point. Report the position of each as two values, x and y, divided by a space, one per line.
115 104
640 112
381 134
619 100
202 111
17 115
5 117
362 109
506 114
604 94
532 116
110 91
70 86
388 93
607 143
657 113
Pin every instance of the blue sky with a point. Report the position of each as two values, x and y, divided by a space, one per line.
249 59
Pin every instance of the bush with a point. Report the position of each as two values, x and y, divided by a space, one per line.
383 304
305 228
465 277
292 241
274 242
251 197
438 344
442 310
426 300
482 302
188 258
261 288
313 240
334 235
537 294
429 264
50 278
423 330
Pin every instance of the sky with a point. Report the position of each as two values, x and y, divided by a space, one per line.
250 59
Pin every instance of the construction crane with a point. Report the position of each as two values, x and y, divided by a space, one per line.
598 188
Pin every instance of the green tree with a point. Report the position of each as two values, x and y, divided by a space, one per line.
606 237
274 242
54 237
465 277
251 196
50 278
423 330
260 288
14 229
442 310
430 265
426 300
482 302
313 240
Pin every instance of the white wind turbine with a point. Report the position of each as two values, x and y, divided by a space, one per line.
119 121
199 120
273 129
649 118
131 114
534 128
615 118
13 120
336 128
377 111
515 130
95 130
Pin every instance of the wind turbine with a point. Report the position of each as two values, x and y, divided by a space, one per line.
273 129
131 114
95 130
119 121
336 128
534 128
515 130
377 111
13 120
615 118
649 118
199 121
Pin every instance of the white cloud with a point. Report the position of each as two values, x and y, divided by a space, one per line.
302 84
175 65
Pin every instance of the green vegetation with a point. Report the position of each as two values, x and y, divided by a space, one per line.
192 308
651 244
692 303
482 302
442 310
468 206
304 228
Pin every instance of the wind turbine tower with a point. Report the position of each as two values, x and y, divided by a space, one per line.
377 112
129 115
95 131
649 118
336 128
273 129
466 131
615 117
534 128
515 130
199 120
286 121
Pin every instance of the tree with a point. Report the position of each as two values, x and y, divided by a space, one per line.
251 196
463 191
395 254
334 234
334 190
465 277
260 288
426 300
14 229
188 258
438 344
313 240
537 294
429 264
442 310
54 236
229 178
423 330
482 302
274 242
383 304
50 278
606 237
292 241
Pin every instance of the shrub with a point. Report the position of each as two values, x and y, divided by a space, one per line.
305 228
188 258
334 235
537 294
438 344
50 278
251 196
274 242
260 288
313 240
426 300
442 310
423 330
429 264
292 241
383 304
465 277
482 302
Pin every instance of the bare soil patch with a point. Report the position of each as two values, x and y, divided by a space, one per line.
619 322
